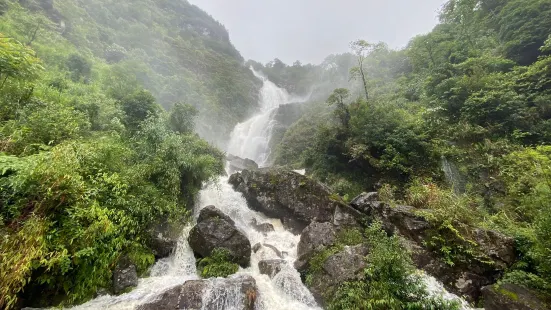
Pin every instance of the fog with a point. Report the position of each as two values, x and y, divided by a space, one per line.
309 30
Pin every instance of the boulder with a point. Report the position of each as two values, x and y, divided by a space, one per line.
204 294
293 198
346 265
271 267
163 238
125 276
214 230
237 163
314 238
491 255
263 228
512 297
257 247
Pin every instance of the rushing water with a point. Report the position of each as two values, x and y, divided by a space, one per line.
286 290
251 139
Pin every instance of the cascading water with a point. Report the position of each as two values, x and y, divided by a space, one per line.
286 290
251 139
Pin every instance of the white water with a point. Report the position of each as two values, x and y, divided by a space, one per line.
286 290
251 139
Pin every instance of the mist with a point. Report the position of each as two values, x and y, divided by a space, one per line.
310 30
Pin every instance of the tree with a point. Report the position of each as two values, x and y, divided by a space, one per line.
138 107
362 49
182 118
17 61
338 98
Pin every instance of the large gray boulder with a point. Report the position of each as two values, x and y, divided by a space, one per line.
271 267
125 276
214 230
163 238
316 237
237 163
512 297
490 254
346 265
240 293
293 198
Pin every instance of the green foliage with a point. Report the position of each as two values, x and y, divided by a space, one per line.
182 117
87 166
138 107
218 264
389 280
17 61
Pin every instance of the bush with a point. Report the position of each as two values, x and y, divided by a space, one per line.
390 281
218 264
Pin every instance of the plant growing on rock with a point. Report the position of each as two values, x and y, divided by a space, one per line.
218 264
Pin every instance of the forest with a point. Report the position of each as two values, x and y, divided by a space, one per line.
457 122
112 120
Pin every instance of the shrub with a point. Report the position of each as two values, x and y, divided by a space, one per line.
218 264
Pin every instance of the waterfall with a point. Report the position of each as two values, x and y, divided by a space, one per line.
249 139
453 176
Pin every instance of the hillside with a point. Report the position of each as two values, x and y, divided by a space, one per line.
172 48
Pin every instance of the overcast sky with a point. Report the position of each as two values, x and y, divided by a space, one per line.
309 30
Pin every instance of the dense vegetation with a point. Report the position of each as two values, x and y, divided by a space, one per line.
457 122
389 282
171 48
89 161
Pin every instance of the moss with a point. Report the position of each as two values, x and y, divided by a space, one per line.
509 294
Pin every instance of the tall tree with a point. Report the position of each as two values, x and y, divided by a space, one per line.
362 49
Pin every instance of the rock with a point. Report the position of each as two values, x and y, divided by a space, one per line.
497 246
364 198
238 163
163 239
214 230
125 276
493 253
203 294
271 267
257 247
293 198
512 297
263 228
347 265
314 238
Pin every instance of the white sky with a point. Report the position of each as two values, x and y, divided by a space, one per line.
309 30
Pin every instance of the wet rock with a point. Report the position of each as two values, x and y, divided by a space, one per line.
293 198
257 247
238 163
204 294
271 267
125 276
512 297
314 238
163 238
187 296
214 230
491 255
263 228
347 265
